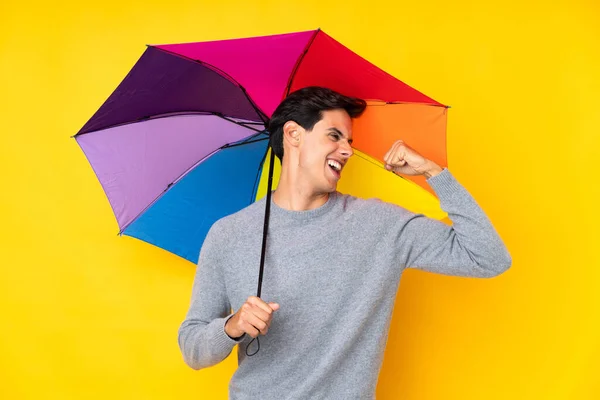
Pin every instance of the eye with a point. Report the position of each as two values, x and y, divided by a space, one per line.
335 135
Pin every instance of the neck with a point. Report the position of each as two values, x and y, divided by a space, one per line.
294 193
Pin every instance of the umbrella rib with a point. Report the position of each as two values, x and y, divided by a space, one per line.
289 84
173 114
228 146
247 140
377 103
376 164
224 74
254 123
240 123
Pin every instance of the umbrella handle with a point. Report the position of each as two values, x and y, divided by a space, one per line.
264 241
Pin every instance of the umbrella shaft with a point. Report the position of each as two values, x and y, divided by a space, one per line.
266 226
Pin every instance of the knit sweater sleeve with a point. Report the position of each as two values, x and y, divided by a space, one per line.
470 247
202 337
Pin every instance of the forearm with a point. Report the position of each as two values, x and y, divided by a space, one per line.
470 247
202 338
203 345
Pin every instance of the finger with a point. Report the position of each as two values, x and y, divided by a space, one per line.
249 322
258 324
250 330
258 302
387 154
398 152
260 313
395 154
249 310
403 170
392 149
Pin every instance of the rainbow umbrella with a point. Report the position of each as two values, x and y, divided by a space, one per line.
181 142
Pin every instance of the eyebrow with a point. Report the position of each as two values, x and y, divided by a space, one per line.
336 130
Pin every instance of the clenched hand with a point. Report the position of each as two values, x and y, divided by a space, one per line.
254 318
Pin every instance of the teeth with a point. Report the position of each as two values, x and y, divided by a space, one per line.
334 164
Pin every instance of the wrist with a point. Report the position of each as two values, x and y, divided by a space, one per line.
432 170
231 332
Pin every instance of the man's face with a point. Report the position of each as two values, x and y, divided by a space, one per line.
325 150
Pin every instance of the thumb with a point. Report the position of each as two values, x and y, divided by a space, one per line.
274 306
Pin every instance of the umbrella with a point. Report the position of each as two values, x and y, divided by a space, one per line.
181 142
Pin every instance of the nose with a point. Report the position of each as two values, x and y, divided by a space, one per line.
346 149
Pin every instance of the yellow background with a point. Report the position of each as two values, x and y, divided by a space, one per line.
87 314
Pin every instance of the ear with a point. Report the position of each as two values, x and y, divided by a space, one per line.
291 133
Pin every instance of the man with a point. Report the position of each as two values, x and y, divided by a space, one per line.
333 263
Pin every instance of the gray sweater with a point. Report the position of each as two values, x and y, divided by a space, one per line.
334 271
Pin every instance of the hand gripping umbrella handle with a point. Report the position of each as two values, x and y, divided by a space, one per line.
264 240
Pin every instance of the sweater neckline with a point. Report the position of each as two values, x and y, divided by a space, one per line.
305 214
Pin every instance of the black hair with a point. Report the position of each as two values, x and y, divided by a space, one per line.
305 107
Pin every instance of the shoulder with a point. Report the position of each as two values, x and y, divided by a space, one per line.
373 213
370 206
225 232
244 219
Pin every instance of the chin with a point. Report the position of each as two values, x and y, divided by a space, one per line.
327 185
326 189
331 188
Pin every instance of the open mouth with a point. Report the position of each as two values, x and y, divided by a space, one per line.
335 166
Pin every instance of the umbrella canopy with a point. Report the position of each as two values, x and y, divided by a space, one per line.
181 142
